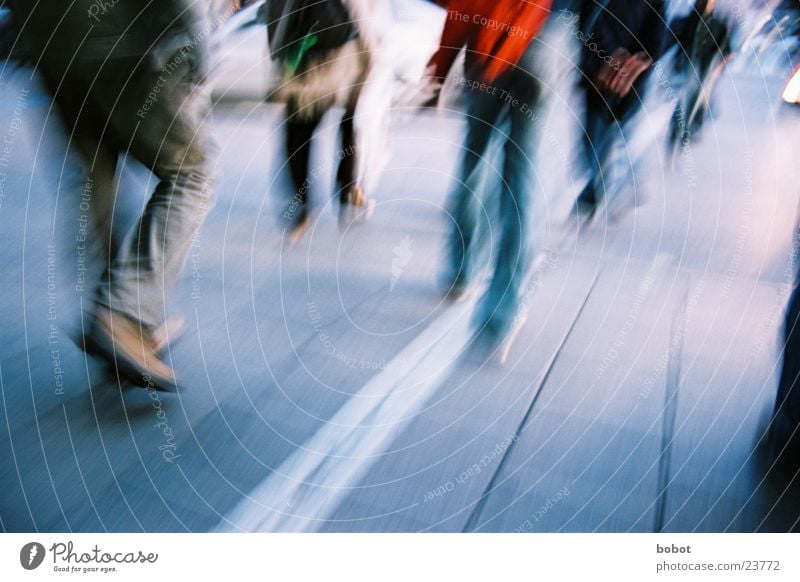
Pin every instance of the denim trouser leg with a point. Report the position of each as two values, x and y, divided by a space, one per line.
502 299
597 143
786 424
483 113
606 121
162 113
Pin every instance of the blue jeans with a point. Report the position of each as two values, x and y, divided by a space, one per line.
606 120
504 115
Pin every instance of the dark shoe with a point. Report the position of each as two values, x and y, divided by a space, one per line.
128 348
458 290
497 320
457 285
587 202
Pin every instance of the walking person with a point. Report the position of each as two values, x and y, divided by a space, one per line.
705 45
785 426
620 41
129 79
326 50
504 93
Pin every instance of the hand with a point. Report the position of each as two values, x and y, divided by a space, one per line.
618 77
609 70
427 93
632 68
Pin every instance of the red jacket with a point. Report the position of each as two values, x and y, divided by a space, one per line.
495 32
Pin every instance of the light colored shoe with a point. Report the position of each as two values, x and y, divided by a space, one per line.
355 207
298 229
511 337
128 348
168 332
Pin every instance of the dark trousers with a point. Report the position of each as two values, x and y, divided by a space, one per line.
605 120
786 422
299 136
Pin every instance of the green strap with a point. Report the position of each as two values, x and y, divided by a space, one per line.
293 62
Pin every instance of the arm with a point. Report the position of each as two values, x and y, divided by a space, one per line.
455 36
365 18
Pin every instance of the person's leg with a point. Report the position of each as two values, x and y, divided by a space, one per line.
785 431
608 122
348 162
170 138
483 115
84 121
100 186
502 300
299 137
597 143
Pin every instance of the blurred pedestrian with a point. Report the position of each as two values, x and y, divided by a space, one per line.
620 40
785 432
129 78
704 39
504 94
325 49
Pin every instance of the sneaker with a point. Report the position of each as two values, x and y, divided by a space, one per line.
128 348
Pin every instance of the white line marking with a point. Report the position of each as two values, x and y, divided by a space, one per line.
314 480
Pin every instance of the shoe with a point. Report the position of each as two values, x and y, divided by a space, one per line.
458 290
457 293
168 332
586 204
129 349
499 327
585 209
354 206
298 228
297 219
511 337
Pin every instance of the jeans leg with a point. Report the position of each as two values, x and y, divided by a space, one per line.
786 424
597 144
483 113
169 137
502 299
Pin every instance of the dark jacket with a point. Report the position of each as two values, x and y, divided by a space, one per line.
606 25
78 36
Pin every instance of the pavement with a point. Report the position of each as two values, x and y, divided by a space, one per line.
329 386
